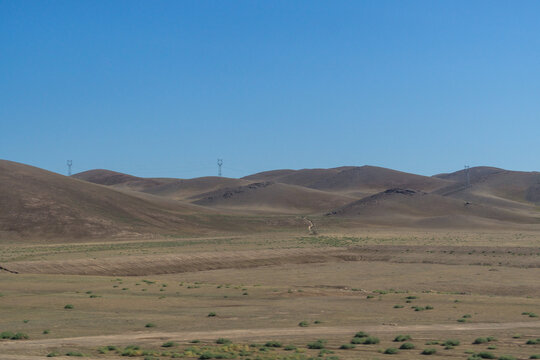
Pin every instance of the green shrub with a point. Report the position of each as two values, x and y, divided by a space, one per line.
303 324
533 341
432 342
429 307
533 315
391 351
361 334
289 348
535 356
169 344
347 346
400 338
46 331
223 341
68 306
53 354
319 344
19 336
467 316
486 355
370 340
429 351
462 320
411 297
407 346
451 342
195 341
398 306
480 340
212 314
6 335
74 353
275 344
506 357
150 325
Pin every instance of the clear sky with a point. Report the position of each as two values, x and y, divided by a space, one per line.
164 88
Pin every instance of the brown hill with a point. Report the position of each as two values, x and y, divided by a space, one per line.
35 202
352 180
120 180
272 197
188 188
493 182
410 207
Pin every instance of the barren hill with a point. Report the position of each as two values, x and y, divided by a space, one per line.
516 186
273 197
353 180
36 202
401 206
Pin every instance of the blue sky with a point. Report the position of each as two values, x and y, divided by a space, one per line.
164 88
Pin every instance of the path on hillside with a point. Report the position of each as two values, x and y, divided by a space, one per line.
248 334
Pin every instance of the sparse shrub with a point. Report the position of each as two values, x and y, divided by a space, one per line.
19 336
533 315
223 341
289 348
212 314
303 324
53 354
74 353
429 351
391 351
361 334
400 338
485 355
319 344
451 342
370 340
46 331
169 344
462 320
150 325
516 336
196 341
535 356
347 346
275 344
533 341
68 306
6 335
467 316
411 297
480 340
317 322
398 306
491 338
429 307
407 346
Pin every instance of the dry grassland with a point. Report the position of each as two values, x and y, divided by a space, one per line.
433 286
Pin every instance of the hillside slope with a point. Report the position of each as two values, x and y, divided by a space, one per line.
36 202
272 197
356 181
402 206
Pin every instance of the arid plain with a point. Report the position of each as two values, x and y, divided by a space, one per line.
344 263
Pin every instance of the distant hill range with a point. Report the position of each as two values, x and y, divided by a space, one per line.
38 203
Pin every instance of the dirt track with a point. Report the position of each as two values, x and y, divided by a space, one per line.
248 334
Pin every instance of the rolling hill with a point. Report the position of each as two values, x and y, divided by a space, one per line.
96 203
39 203
356 181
